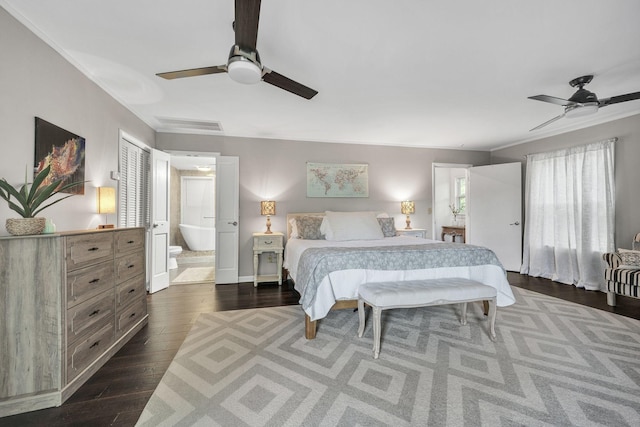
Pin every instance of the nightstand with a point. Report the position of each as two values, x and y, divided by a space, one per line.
262 243
414 232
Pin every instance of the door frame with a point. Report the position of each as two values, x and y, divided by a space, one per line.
435 234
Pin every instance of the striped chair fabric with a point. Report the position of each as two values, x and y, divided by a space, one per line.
621 281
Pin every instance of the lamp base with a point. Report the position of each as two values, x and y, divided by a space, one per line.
103 226
408 227
268 226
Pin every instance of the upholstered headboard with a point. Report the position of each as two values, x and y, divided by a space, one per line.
291 216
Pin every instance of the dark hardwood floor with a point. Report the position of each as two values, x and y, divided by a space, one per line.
118 392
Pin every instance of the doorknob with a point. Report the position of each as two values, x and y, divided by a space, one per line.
233 223
515 223
155 225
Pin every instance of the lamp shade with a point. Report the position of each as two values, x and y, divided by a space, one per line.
106 200
267 207
407 207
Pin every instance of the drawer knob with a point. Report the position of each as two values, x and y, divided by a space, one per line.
132 315
131 291
93 249
94 312
268 243
95 344
130 266
131 241
94 281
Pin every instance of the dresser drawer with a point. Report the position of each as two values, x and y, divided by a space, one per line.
130 316
88 249
267 243
88 282
128 240
129 291
84 352
129 266
91 315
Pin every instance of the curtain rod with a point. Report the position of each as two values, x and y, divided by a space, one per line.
613 139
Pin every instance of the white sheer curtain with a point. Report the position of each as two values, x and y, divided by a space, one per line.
569 211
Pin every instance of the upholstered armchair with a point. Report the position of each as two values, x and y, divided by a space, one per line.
622 275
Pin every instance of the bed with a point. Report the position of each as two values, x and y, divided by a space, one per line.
327 266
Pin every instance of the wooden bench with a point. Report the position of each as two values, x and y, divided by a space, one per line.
420 293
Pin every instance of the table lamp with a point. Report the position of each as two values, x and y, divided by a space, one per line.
407 207
268 208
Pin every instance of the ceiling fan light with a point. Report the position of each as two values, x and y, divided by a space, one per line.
244 71
581 110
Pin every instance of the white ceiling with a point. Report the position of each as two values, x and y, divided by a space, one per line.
421 73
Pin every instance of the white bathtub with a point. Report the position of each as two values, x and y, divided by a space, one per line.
199 238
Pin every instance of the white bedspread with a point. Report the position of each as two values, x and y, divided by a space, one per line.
343 284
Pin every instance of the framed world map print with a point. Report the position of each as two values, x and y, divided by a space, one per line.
337 180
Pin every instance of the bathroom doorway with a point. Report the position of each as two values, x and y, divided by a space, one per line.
192 228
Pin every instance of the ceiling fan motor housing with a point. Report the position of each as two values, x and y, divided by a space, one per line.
244 67
583 96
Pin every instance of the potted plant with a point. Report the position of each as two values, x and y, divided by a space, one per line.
29 201
455 211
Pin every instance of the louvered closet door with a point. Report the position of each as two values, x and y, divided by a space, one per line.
135 183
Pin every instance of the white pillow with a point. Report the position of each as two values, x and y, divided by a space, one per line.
325 229
294 229
352 226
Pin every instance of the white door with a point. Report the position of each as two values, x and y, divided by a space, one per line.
494 211
227 227
159 233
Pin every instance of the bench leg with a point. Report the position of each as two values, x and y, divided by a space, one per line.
611 299
361 317
463 318
309 327
377 311
492 318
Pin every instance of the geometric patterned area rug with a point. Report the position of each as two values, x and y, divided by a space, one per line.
555 363
196 275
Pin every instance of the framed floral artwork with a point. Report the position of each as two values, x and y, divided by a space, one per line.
64 151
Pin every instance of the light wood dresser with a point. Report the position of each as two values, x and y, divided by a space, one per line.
68 302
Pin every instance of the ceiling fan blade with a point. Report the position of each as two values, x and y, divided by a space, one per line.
619 98
192 72
548 122
246 23
552 99
287 84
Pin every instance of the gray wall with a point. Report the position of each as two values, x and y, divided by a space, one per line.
276 169
37 81
627 165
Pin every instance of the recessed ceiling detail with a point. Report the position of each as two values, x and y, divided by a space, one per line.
168 124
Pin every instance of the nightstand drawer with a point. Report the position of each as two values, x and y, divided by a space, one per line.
267 243
413 232
83 250
88 282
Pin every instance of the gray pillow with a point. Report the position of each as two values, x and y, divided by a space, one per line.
309 227
388 226
630 260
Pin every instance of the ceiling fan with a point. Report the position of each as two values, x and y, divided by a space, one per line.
244 64
582 102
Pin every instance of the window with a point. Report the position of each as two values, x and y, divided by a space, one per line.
461 194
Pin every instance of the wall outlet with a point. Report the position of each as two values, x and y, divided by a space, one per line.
430 211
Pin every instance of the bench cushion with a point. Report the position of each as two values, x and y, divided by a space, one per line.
424 292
